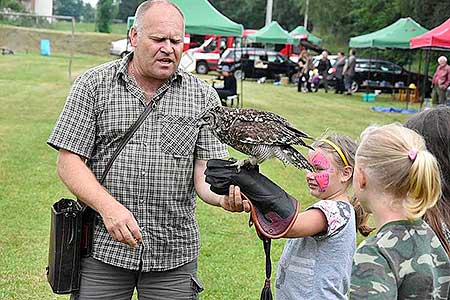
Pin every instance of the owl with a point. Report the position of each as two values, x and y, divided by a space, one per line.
259 134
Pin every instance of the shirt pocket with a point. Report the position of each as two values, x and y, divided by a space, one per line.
178 135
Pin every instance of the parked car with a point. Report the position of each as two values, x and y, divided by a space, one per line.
382 73
258 63
120 48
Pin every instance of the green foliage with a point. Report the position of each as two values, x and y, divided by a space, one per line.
33 89
75 8
127 8
12 4
105 12
252 14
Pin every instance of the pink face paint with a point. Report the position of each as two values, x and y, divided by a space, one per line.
323 167
320 161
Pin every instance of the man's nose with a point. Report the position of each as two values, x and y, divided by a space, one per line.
166 47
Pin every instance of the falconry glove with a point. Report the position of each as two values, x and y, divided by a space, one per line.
273 211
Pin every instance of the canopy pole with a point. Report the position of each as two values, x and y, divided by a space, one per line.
427 67
418 83
408 91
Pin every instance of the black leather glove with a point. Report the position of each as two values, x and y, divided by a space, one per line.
273 210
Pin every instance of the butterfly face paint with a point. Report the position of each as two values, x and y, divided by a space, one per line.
323 168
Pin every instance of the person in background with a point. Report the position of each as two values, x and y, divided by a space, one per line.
323 67
349 71
305 65
441 81
147 237
339 68
229 85
434 125
396 180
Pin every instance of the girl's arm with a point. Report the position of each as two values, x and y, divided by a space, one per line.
308 223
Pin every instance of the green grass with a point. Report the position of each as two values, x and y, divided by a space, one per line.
231 265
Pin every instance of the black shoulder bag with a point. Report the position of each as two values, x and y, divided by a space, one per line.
72 227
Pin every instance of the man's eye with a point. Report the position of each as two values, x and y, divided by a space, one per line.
176 41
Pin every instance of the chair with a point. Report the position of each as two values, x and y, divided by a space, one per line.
232 98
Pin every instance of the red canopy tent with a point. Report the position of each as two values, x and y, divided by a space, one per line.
438 37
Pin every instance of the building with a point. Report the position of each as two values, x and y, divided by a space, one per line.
39 7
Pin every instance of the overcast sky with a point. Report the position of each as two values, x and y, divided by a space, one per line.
92 2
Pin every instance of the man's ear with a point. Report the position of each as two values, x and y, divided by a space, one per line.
133 36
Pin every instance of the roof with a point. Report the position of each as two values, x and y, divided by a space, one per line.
302 33
202 18
438 37
272 33
396 35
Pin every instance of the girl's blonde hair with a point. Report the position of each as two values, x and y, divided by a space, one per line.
347 146
397 160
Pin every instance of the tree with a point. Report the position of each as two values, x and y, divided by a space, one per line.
127 8
12 4
88 13
68 8
104 17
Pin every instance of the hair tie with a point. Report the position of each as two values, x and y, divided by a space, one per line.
412 154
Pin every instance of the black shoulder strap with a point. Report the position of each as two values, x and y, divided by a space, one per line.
130 132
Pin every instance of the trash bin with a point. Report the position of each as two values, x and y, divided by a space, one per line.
45 47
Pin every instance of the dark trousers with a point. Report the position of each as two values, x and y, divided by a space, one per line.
106 282
223 94
340 88
439 96
304 81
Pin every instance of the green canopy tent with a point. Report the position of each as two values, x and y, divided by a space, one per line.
202 18
272 33
396 35
302 33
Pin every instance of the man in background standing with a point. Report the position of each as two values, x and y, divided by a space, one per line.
441 81
349 71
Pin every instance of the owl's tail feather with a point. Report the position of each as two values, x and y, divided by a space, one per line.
292 156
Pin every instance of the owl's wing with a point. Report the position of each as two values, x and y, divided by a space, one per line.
264 132
254 115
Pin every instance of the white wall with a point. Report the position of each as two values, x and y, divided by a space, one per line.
43 7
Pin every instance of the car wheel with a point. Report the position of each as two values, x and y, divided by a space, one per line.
201 68
239 75
354 88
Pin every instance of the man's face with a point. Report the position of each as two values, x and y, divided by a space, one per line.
159 44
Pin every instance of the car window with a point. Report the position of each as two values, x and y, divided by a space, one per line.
275 58
365 66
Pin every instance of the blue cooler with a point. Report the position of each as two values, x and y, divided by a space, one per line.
369 97
45 47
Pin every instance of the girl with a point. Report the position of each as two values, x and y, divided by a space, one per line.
397 180
434 126
316 262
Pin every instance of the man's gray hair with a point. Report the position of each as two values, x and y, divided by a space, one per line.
144 6
442 58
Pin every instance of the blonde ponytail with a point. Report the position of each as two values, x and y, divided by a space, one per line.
425 185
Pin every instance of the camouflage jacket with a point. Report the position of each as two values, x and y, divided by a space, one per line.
405 260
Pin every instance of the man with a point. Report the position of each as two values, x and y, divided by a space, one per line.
148 236
349 71
229 85
441 81
322 68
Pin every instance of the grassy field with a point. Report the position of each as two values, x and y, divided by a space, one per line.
231 266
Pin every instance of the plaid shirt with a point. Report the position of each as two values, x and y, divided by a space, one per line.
153 175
